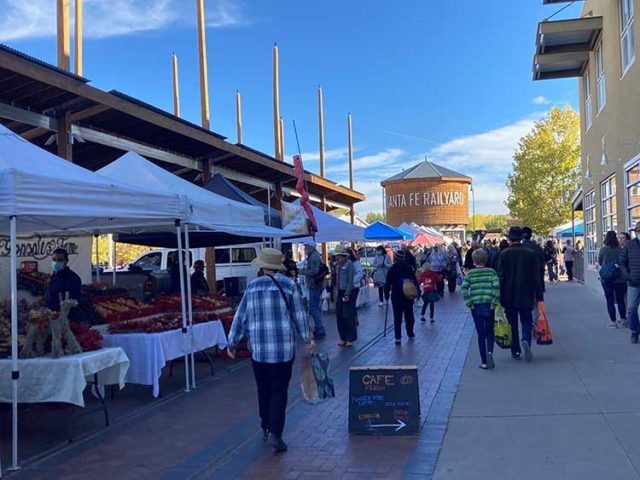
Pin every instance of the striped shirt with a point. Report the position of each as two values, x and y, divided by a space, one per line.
263 319
481 285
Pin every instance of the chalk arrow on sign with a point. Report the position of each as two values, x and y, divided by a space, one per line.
399 426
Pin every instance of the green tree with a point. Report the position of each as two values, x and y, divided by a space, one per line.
374 217
545 171
496 221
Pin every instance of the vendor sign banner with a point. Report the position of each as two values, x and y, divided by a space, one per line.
293 219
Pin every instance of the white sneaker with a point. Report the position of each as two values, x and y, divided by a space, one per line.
380 304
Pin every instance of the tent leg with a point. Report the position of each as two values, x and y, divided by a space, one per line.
97 258
190 306
114 262
183 306
15 373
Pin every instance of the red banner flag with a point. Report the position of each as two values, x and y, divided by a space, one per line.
304 195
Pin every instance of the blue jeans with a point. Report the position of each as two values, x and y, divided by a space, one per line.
633 301
525 315
483 316
614 294
314 310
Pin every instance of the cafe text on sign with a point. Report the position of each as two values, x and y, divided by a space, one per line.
384 400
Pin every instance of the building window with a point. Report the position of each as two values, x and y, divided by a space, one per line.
587 99
609 207
632 181
590 243
600 83
627 39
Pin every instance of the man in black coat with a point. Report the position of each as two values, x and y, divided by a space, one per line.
520 289
63 281
527 242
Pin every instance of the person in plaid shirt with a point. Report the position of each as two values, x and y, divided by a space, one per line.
271 315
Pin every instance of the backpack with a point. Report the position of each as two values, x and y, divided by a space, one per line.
322 274
409 289
609 272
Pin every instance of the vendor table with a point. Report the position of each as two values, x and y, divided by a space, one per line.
63 379
150 352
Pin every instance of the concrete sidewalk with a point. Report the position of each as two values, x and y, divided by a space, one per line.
574 413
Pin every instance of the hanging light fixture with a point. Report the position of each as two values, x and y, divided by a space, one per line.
603 159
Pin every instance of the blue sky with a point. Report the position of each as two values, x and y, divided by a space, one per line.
447 79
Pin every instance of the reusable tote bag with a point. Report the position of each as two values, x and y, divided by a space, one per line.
543 331
315 380
502 329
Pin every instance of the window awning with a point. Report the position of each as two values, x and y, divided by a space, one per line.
563 46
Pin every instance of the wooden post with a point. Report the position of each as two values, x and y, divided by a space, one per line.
78 38
204 81
321 132
281 123
65 149
276 105
64 43
352 211
176 86
239 117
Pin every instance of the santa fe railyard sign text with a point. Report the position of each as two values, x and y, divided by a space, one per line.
416 199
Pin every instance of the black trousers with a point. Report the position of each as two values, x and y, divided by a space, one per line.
569 266
272 380
346 317
614 294
381 294
403 307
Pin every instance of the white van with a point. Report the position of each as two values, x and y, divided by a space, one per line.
232 261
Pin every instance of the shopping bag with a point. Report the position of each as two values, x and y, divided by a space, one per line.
315 379
502 329
543 331
325 298
379 277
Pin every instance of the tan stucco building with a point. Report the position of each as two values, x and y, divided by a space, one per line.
599 49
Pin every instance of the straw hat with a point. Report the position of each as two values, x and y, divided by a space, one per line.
340 250
269 259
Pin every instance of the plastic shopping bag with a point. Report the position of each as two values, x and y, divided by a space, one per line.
325 298
543 331
315 379
502 329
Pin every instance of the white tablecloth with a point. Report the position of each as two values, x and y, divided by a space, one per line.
150 352
47 379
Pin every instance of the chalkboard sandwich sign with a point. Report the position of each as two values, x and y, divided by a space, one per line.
384 400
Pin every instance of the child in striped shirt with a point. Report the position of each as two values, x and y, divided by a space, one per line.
481 293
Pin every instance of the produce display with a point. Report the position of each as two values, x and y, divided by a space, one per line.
123 309
100 291
5 324
156 324
88 339
35 282
211 303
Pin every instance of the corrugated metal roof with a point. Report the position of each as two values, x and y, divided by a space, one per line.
426 169
42 63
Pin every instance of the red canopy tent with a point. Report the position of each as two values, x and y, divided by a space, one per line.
423 238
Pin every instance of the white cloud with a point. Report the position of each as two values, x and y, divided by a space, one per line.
333 154
390 156
540 100
37 18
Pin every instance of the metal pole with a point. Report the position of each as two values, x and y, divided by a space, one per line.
183 307
97 258
15 373
190 305
114 262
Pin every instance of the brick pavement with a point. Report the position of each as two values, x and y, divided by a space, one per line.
213 432
321 447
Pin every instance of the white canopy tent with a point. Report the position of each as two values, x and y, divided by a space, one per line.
42 193
332 229
207 210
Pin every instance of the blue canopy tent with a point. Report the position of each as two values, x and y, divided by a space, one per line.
382 231
567 233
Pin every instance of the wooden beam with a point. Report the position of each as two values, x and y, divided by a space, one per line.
127 145
89 112
78 38
27 117
33 133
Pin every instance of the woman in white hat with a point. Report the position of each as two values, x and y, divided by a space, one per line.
345 307
270 316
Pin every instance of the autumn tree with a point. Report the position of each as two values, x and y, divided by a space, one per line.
546 171
125 253
373 217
